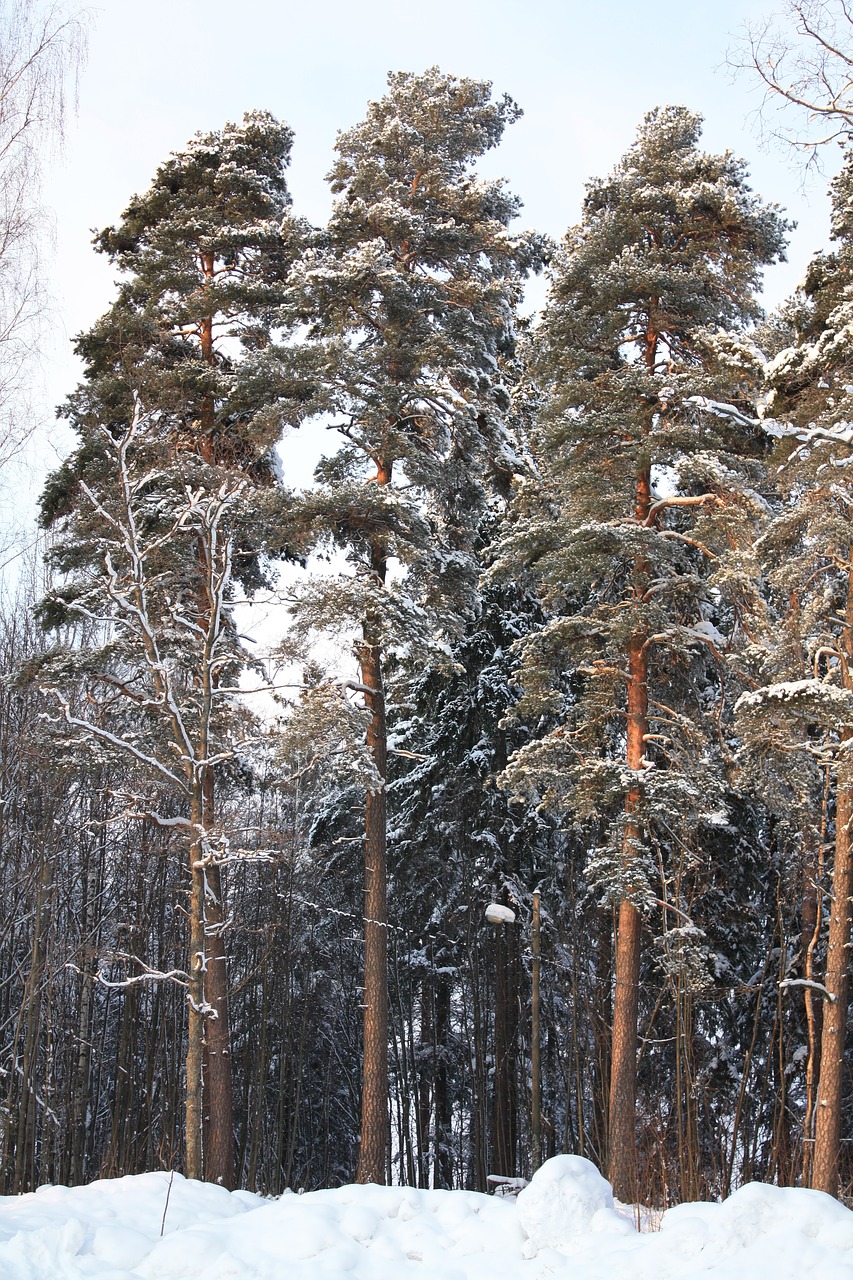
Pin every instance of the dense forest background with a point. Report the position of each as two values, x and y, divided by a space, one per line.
591 575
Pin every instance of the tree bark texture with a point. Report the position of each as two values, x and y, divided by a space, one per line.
827 1144
375 1132
622 1134
837 982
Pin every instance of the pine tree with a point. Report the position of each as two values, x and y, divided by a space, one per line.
802 715
202 256
409 294
641 484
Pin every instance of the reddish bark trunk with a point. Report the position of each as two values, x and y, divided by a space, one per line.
374 1097
827 1144
622 1136
205 438
375 1124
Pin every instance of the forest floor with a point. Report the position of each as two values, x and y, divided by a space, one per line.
161 1227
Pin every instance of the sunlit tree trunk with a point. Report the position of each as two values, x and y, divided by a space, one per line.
827 1144
622 1136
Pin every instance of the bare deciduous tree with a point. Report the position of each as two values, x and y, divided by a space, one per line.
41 49
803 58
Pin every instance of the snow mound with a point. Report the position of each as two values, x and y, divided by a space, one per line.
764 1230
567 1198
563 1227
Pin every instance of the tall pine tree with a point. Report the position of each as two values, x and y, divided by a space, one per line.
202 256
640 486
803 712
410 295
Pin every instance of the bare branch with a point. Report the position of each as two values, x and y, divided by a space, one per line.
802 58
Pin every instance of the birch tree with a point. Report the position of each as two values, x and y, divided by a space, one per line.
41 50
802 57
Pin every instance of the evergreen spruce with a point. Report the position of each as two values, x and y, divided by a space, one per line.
456 843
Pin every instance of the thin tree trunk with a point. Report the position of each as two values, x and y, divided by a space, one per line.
426 1086
218 1091
535 1062
91 874
812 911
479 1054
598 1006
443 1154
503 1117
195 997
24 1145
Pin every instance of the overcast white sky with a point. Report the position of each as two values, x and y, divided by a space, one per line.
584 73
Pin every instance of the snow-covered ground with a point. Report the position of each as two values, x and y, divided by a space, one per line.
563 1225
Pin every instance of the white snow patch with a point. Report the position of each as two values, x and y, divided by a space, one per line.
563 1225
567 1198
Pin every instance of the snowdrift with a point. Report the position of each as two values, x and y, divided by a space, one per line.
564 1225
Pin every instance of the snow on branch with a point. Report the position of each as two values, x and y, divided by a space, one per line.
104 735
178 976
809 984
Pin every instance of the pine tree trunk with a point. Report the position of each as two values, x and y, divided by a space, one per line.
827 1144
622 1124
621 1128
375 1131
825 1171
206 445
218 1086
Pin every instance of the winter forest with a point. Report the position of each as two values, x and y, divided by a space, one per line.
525 826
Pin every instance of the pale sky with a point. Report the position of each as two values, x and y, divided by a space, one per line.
584 74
